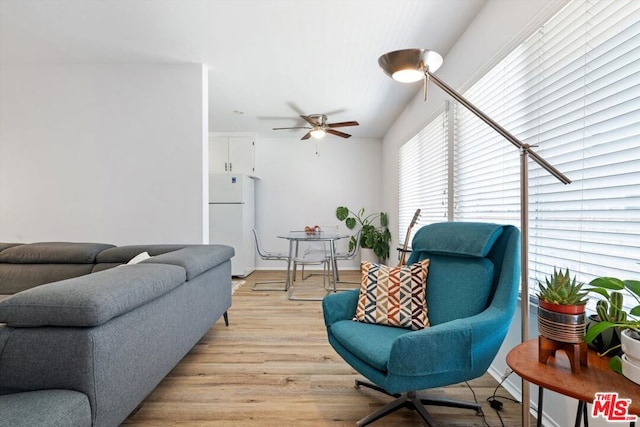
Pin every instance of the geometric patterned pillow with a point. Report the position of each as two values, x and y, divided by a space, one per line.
393 296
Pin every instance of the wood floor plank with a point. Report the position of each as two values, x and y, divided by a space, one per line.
273 366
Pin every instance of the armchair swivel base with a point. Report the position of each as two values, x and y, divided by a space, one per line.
412 400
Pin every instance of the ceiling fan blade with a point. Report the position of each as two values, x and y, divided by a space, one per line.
306 136
310 120
338 133
343 124
298 127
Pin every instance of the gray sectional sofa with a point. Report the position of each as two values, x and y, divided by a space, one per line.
84 338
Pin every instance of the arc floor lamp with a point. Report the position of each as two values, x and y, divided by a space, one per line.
412 65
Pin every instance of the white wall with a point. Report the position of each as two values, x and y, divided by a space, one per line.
96 152
298 187
500 26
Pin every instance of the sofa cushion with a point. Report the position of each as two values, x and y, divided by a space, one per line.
18 277
53 253
91 300
5 245
60 408
195 259
122 254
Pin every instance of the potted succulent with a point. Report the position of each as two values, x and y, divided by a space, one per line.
561 308
375 237
613 319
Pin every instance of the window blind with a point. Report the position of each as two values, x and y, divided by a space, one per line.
423 176
572 91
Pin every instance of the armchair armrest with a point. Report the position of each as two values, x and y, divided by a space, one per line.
468 342
436 349
340 306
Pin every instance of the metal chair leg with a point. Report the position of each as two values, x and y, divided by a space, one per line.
256 284
411 400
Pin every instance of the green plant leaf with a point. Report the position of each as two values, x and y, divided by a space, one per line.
608 283
383 219
633 286
600 291
350 223
596 329
342 213
615 363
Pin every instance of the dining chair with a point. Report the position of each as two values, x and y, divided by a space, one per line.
269 256
345 256
317 250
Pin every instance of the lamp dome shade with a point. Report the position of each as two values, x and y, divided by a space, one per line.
409 65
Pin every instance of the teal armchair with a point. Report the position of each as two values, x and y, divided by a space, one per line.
472 289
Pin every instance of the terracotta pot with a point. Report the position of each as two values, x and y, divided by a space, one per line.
560 308
559 326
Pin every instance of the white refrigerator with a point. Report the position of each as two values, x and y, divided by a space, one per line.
232 218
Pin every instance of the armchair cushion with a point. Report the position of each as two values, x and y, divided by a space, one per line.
458 287
393 296
368 342
455 238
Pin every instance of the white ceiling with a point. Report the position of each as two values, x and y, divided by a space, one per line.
271 59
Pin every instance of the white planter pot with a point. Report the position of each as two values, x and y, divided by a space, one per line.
631 356
630 346
367 254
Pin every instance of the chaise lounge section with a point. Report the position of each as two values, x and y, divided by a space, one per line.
94 344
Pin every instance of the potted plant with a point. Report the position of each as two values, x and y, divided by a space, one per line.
375 237
561 308
614 319
608 310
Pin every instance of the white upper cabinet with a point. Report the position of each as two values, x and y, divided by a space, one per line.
231 154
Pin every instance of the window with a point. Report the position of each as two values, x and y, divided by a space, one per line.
423 176
572 90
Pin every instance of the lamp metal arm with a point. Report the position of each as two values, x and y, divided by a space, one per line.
502 131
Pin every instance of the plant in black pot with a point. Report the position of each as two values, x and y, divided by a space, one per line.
608 310
374 236
615 327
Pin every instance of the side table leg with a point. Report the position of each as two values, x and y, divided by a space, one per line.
580 412
585 415
540 401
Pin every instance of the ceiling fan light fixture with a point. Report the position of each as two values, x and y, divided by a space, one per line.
318 133
409 65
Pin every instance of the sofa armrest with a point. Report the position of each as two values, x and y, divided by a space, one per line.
195 259
53 253
93 299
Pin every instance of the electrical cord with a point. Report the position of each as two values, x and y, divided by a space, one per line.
484 418
494 401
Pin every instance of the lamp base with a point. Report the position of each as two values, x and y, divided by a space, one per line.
577 352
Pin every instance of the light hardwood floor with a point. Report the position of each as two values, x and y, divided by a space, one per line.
273 366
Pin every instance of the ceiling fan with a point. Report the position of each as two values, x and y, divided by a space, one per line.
319 126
